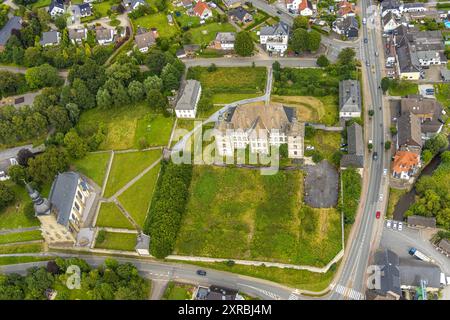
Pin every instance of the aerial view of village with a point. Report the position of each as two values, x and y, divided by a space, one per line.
224 150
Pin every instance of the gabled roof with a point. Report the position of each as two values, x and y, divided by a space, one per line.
239 13
145 39
428 110
405 161
50 37
103 33
444 244
56 3
279 29
85 8
227 37
409 132
388 262
77 34
355 156
200 7
429 222
390 5
15 23
190 94
349 96
305 4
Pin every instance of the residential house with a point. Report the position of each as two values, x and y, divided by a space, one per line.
408 66
445 75
15 23
412 7
421 221
82 10
428 14
389 275
133 4
142 245
224 41
232 3
349 99
301 7
409 133
56 8
202 10
187 104
405 164
144 39
347 27
429 111
390 22
275 38
216 293
50 38
104 35
186 3
240 15
77 35
62 215
355 146
345 9
188 51
259 127
390 6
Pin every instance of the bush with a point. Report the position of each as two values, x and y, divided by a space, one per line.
349 201
317 157
101 236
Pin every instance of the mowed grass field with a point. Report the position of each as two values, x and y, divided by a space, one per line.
231 84
20 236
118 241
94 166
312 109
158 21
127 125
205 34
241 214
128 165
110 216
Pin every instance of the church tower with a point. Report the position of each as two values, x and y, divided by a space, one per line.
41 205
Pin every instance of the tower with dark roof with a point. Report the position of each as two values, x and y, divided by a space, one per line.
41 205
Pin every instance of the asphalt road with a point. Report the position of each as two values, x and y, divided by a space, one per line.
186 273
352 282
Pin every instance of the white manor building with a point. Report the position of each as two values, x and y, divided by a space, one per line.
187 105
259 127
275 38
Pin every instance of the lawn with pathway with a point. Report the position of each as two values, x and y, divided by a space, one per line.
128 165
110 216
94 166
117 241
178 291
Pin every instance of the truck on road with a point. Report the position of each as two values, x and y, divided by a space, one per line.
419 255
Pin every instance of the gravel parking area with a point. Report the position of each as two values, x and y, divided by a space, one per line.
321 185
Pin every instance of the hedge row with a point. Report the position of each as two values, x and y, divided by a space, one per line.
351 181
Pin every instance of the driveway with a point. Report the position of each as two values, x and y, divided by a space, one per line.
321 185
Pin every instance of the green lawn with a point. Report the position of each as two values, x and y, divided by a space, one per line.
241 214
126 126
403 88
231 84
118 241
204 34
110 216
102 7
158 21
324 142
21 248
13 216
22 259
300 279
94 166
178 291
394 197
185 20
155 129
40 4
128 165
20 237
443 95
137 198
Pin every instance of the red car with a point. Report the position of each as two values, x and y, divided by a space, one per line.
378 215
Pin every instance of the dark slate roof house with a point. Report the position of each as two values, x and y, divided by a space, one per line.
189 96
349 97
409 132
429 222
279 29
355 155
215 293
85 9
15 23
50 38
412 271
240 14
388 262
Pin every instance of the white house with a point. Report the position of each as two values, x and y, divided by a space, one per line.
349 99
77 35
302 7
259 127
56 8
412 7
275 38
104 35
202 10
187 104
133 4
224 41
390 22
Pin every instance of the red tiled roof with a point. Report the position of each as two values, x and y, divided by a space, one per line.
200 7
404 161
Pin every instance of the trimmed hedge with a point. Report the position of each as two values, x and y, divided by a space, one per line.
167 207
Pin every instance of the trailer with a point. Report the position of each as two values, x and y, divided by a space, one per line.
419 255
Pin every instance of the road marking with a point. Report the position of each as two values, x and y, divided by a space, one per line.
293 297
348 292
265 292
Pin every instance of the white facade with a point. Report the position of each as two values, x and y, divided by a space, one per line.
390 25
104 41
56 11
420 8
187 105
188 114
277 44
349 114
428 58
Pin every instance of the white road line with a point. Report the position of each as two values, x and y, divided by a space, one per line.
293 297
265 292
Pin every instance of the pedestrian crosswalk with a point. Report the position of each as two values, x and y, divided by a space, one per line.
293 297
348 292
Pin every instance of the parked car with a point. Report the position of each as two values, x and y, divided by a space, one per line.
376 53
310 148
400 226
378 214
364 20
365 40
375 156
394 225
279 12
201 272
388 224
380 197
385 172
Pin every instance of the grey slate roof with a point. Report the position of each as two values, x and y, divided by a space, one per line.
50 37
62 195
57 4
390 4
279 29
444 244
429 222
355 156
225 37
349 96
413 270
388 261
15 23
238 13
409 132
189 96
85 9
429 110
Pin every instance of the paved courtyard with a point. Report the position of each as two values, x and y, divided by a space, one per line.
321 185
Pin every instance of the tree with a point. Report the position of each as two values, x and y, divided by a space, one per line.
17 173
387 145
385 84
314 39
436 144
299 40
371 113
153 82
426 156
393 130
156 61
170 77
59 118
300 22
156 99
370 146
136 91
243 44
23 155
75 145
42 76
45 166
7 195
81 95
103 98
61 22
212 67
322 61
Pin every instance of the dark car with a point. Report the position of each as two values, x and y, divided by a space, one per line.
201 272
365 40
279 12
375 155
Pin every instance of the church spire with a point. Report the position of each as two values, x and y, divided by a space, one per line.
40 204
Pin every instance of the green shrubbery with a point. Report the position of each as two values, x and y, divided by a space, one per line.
351 181
167 207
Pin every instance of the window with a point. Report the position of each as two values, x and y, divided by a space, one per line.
76 206
80 195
